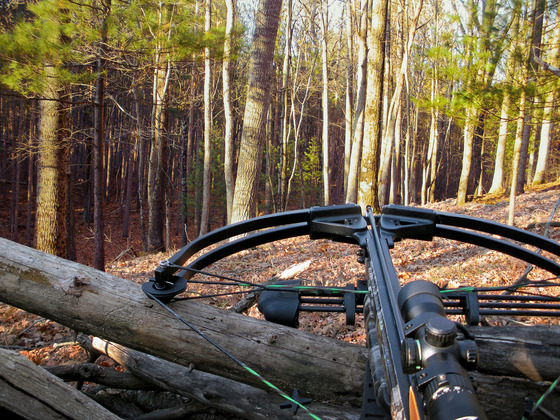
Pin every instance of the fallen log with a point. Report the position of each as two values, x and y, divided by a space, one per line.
531 352
136 404
116 309
102 375
32 393
504 397
211 390
96 303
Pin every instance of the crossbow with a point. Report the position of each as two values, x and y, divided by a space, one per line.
418 358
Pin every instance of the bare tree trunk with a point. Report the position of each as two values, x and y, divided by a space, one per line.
159 148
211 390
368 188
228 110
325 102
141 190
131 149
534 50
349 94
517 157
434 138
256 108
297 125
547 123
468 136
28 391
498 177
285 127
15 160
206 178
50 229
388 147
30 177
359 110
98 141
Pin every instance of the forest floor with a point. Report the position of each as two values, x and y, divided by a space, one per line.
442 261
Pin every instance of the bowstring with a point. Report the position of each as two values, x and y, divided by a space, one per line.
234 358
255 286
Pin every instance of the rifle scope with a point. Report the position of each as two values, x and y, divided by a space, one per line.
435 356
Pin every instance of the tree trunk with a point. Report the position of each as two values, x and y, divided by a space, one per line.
98 141
534 50
206 168
388 149
158 157
30 175
547 123
359 110
285 127
50 230
141 185
368 188
325 103
157 164
256 108
498 177
468 136
228 110
516 165
131 154
349 93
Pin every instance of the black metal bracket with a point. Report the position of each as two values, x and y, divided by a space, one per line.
283 306
293 406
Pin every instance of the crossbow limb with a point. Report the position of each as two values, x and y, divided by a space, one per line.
415 357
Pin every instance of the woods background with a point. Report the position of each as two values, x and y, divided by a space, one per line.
187 115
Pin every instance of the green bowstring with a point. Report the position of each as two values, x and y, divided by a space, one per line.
543 396
235 359
470 289
279 391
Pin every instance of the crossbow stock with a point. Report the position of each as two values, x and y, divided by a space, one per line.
418 359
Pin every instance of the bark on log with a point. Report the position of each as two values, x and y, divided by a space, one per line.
129 404
504 397
211 390
31 392
115 309
531 352
92 372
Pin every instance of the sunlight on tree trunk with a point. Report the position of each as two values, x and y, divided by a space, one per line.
256 109
368 188
50 229
468 136
359 109
228 108
204 218
325 103
498 178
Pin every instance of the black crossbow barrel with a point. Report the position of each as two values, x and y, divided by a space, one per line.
418 359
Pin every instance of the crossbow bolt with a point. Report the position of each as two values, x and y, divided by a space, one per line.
294 406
